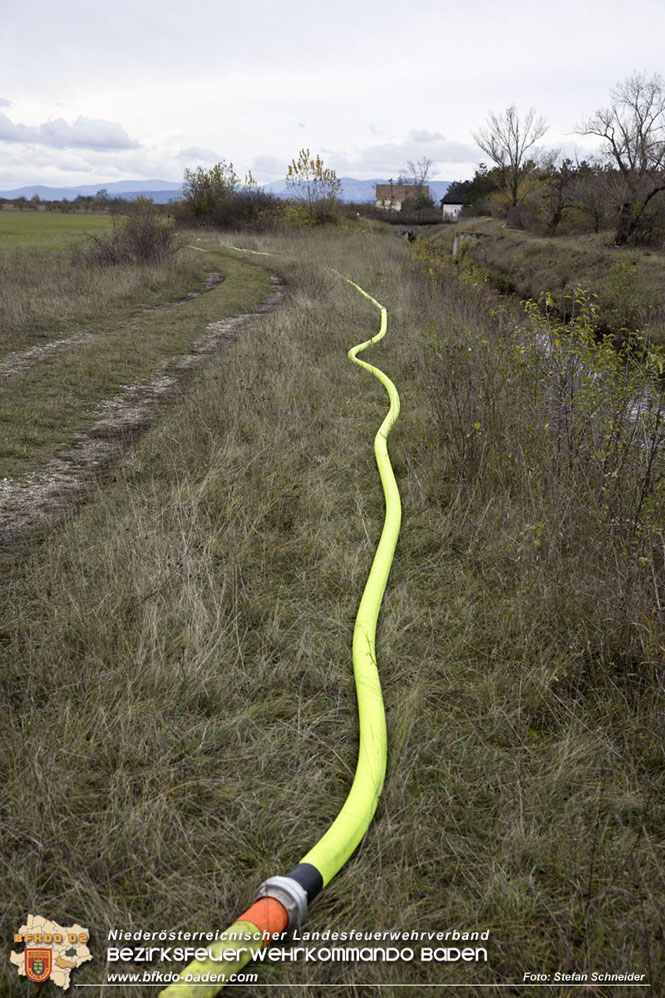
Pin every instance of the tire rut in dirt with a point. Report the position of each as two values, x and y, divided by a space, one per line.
40 499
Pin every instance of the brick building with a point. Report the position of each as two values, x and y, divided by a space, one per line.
393 195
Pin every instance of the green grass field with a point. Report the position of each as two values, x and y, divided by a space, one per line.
20 230
180 716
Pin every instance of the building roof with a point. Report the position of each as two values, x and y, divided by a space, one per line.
452 199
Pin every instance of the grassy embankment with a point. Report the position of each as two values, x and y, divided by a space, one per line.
627 283
181 715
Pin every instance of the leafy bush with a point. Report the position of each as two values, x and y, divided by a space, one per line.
601 409
204 192
249 207
143 236
294 215
418 203
216 197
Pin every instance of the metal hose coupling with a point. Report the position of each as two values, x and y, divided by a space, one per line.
290 894
281 902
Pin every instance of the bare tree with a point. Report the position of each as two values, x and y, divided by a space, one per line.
595 192
506 138
419 172
557 175
633 130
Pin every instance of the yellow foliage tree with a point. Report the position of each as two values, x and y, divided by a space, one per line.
313 184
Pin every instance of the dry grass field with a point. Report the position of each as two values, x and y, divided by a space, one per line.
180 715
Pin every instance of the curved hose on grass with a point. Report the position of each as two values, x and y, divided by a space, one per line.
281 901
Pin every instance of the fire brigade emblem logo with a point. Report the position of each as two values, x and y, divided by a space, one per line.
52 951
38 964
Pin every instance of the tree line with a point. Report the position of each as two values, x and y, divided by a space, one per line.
219 197
622 187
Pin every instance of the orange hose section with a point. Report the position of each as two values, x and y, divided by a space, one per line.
269 916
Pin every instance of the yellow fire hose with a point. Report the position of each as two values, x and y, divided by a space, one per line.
281 901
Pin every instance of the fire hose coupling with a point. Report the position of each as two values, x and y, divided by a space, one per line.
281 902
290 894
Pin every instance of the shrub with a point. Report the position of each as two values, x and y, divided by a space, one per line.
418 202
215 197
143 236
314 186
206 192
249 207
602 410
294 215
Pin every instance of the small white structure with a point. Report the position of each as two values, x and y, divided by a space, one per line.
452 205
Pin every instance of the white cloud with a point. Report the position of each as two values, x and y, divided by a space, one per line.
269 167
24 164
424 136
243 78
199 154
88 133
391 158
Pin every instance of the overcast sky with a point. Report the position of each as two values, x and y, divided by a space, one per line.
92 93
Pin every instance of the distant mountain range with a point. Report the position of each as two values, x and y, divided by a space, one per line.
160 191
163 191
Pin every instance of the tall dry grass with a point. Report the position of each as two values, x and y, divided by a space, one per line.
46 293
181 715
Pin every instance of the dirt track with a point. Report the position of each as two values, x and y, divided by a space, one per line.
43 497
21 360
